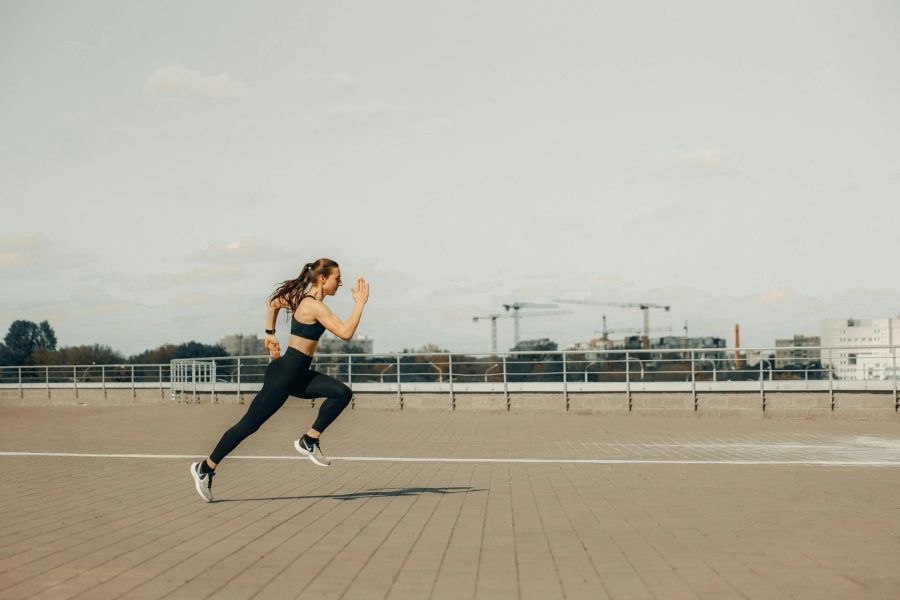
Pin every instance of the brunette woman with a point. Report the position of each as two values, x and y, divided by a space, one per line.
289 374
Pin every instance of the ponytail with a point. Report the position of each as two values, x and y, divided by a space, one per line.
293 291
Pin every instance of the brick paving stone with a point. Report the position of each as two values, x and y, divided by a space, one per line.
98 527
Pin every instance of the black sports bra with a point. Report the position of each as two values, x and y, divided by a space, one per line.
304 330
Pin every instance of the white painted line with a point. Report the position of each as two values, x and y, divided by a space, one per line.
563 461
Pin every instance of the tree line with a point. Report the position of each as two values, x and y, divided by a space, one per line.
28 343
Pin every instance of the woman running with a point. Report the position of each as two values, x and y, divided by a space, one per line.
290 375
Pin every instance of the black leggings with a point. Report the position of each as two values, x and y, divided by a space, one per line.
289 375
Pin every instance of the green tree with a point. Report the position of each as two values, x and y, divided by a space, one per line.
24 338
155 356
167 352
197 350
79 355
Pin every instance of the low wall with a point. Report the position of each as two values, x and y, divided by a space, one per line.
776 405
70 396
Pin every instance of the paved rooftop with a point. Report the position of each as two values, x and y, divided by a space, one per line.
447 505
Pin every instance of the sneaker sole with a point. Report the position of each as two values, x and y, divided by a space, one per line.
309 455
199 484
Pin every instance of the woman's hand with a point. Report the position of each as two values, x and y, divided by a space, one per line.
272 346
361 292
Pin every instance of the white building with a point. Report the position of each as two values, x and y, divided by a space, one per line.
797 351
243 345
861 347
329 344
592 347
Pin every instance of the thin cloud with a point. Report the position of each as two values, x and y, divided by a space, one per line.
706 161
883 302
20 251
179 81
783 297
109 309
192 299
214 274
236 251
32 253
337 78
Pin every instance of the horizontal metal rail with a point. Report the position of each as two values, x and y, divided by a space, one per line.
698 370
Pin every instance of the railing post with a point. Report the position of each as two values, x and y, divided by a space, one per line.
133 393
22 392
212 377
694 380
762 386
505 384
47 377
565 381
831 382
399 395
240 398
103 378
350 380
894 376
161 395
194 378
450 376
75 379
628 379
182 379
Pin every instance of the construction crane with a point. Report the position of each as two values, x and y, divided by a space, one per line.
493 319
495 316
605 332
515 307
644 306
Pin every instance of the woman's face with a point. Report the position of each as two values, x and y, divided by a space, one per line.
332 283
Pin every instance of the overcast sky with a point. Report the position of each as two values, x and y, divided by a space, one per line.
164 165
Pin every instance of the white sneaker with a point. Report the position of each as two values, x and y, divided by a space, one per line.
313 453
202 481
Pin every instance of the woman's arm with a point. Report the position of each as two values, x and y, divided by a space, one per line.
344 329
274 307
271 342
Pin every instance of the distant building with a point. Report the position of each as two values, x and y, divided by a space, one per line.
855 352
329 344
594 344
752 358
704 347
592 349
798 351
243 345
539 345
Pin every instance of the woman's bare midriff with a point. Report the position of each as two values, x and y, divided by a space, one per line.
307 347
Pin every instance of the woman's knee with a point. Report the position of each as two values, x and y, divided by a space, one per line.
344 395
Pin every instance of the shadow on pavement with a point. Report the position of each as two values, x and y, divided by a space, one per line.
375 493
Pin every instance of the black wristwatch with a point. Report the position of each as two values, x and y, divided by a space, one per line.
270 332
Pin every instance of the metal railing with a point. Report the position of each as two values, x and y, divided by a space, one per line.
873 368
830 369
93 376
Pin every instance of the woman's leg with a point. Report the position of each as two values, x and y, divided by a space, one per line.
337 396
276 385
